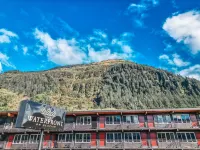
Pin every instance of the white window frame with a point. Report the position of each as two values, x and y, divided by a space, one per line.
181 118
186 136
113 122
83 137
165 136
130 116
113 137
132 137
162 119
20 141
36 138
65 137
83 120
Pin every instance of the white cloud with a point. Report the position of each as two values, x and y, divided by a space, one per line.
25 50
98 47
178 61
5 36
185 28
60 51
15 48
192 72
104 54
174 60
140 10
4 59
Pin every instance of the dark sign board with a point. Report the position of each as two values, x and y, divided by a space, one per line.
40 116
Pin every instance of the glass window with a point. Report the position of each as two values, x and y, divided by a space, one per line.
128 137
162 119
69 137
34 138
113 137
130 119
82 137
181 118
116 119
136 137
186 137
84 120
17 138
109 137
165 137
118 137
113 119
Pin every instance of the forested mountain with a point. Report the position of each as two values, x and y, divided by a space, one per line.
113 84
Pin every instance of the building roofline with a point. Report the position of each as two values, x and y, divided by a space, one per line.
121 111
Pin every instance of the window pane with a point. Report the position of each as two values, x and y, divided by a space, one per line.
189 139
168 137
78 137
109 137
179 137
160 119
172 136
159 137
17 138
84 137
163 137
138 137
88 120
85 120
81 120
68 137
183 137
116 119
88 137
117 137
124 119
24 138
128 119
193 137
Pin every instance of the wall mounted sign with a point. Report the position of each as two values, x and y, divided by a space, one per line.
35 115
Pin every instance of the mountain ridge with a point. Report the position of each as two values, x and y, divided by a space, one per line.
114 84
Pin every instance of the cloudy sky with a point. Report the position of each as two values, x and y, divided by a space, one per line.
38 35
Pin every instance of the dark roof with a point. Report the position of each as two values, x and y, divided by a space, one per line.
119 111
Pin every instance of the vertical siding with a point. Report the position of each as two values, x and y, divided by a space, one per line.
102 122
10 140
102 139
198 137
150 121
141 120
144 139
153 138
93 139
193 120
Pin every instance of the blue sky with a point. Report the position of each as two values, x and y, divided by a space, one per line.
38 35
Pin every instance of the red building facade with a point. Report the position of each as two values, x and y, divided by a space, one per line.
111 129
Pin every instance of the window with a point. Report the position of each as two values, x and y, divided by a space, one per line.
84 120
113 119
130 119
83 137
181 118
69 120
165 137
186 137
132 137
21 138
34 138
113 137
65 137
162 119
